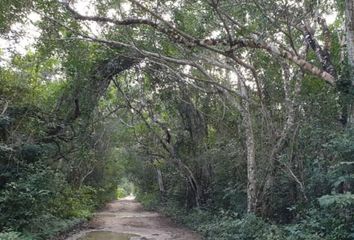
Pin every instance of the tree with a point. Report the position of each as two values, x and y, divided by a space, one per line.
226 51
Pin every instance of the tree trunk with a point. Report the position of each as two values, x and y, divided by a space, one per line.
250 146
251 162
244 107
349 24
273 164
160 181
185 170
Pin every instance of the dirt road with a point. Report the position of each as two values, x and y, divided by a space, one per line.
127 220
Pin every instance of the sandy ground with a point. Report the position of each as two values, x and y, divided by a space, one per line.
128 216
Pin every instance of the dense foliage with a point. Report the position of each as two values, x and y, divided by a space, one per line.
53 173
47 185
234 117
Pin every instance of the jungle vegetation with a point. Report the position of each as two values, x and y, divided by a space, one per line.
235 117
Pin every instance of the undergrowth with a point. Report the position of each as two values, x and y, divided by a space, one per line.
327 220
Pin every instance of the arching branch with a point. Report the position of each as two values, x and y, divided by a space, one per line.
189 41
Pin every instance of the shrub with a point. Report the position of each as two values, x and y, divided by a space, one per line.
48 226
248 228
27 197
121 193
148 200
13 236
75 203
224 225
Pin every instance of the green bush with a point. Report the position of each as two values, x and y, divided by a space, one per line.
75 203
247 228
27 197
47 226
148 200
332 219
223 225
13 236
319 223
121 193
39 201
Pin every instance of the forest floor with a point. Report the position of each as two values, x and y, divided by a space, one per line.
126 219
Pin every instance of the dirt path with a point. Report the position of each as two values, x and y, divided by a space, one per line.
126 216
